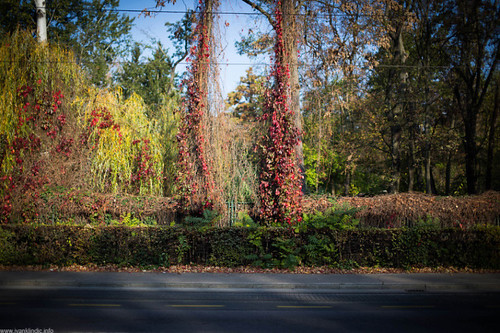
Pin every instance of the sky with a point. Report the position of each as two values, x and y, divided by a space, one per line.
233 21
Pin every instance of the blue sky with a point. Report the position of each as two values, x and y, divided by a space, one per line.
232 27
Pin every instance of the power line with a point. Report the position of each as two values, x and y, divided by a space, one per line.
217 63
161 11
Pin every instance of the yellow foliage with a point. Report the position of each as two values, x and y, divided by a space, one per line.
110 164
114 152
25 62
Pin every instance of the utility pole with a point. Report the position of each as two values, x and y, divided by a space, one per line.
41 21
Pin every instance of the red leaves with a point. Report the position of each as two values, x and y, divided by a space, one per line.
40 122
102 119
195 183
64 146
280 185
143 169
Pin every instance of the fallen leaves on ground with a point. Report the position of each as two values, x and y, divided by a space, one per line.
241 270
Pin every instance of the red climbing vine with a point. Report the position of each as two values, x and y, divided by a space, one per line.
280 179
195 181
39 138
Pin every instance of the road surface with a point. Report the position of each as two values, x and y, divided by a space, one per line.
111 309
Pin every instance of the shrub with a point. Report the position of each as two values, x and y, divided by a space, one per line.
265 247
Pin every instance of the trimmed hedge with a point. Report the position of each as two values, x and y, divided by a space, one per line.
266 247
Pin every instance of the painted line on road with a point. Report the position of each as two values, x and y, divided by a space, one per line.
303 306
196 306
95 305
407 306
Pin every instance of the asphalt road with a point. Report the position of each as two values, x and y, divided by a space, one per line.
242 310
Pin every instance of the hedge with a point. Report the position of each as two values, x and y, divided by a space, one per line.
476 247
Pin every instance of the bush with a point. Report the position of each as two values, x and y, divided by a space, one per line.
264 247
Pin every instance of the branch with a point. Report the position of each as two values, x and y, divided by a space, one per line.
261 10
490 75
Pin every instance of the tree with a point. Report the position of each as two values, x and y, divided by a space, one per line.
280 178
91 28
41 21
196 173
246 100
150 79
290 9
473 52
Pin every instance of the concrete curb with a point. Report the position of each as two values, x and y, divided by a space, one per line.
415 287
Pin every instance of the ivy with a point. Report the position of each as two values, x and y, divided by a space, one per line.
195 181
280 178
40 135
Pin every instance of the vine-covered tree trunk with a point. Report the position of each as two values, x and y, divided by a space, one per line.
289 8
196 179
280 178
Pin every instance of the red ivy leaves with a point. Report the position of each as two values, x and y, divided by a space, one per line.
101 119
40 121
195 183
143 168
280 179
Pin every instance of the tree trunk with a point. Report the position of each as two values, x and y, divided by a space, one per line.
347 182
428 181
400 57
411 157
448 174
470 149
448 163
396 158
289 9
41 21
491 141
433 182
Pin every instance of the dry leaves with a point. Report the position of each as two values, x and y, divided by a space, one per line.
241 270
397 210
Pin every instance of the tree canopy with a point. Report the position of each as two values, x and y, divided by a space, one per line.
90 28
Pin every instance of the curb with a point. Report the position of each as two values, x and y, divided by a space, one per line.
411 287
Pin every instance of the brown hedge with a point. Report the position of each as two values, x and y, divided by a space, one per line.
408 209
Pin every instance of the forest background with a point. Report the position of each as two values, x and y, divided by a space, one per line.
389 97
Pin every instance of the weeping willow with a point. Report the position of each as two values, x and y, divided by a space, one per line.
127 157
23 63
119 147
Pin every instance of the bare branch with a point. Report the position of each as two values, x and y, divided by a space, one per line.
261 10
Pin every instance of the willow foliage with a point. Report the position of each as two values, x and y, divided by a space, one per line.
118 151
126 145
26 63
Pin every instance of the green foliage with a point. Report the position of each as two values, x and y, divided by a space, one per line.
337 217
288 253
244 220
263 247
7 246
320 250
95 32
182 248
209 218
151 79
262 261
247 99
122 139
129 221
